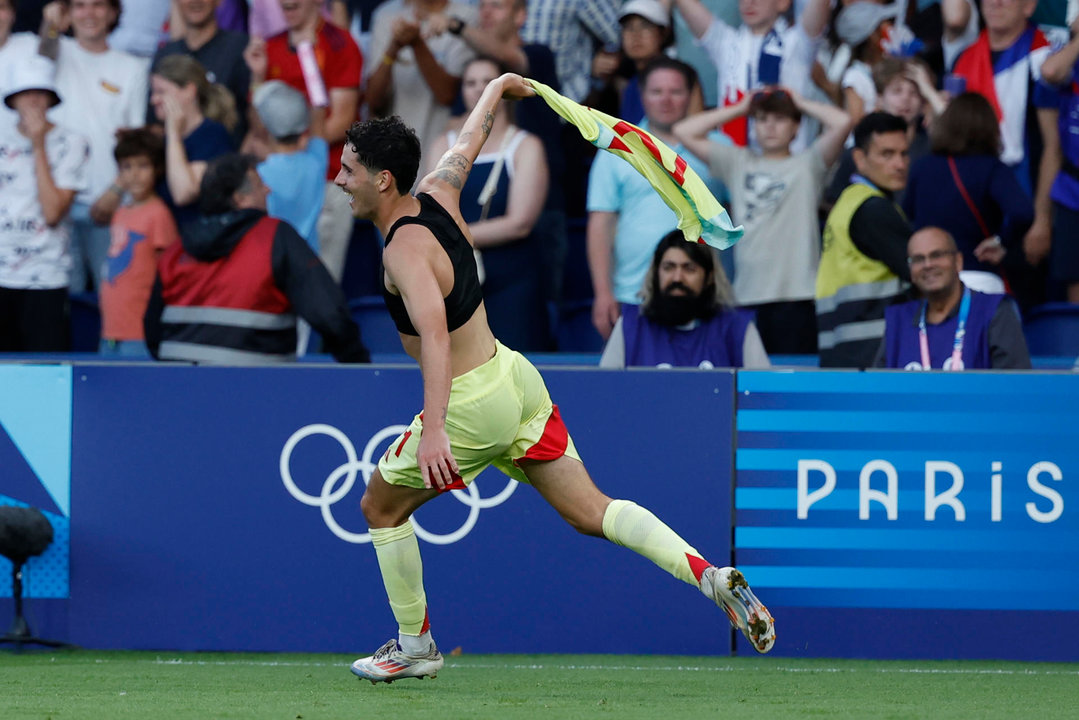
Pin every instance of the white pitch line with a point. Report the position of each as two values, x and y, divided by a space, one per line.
637 668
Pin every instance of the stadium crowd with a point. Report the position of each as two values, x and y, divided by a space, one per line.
832 131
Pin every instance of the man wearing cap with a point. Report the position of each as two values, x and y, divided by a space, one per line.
298 157
951 327
44 167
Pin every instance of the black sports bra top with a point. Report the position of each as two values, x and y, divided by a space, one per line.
466 295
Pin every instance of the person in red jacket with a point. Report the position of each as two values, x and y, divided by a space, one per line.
231 291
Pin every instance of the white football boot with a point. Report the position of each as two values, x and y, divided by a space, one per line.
390 663
729 589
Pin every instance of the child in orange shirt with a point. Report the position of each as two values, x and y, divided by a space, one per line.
141 230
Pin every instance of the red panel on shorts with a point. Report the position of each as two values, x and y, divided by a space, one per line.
457 483
552 444
697 565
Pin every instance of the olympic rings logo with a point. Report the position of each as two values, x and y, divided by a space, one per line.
341 480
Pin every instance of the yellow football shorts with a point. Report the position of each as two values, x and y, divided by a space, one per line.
499 414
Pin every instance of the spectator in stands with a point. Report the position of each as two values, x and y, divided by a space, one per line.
139 31
104 90
44 168
625 214
418 73
501 202
964 188
219 51
646 32
141 230
1004 64
905 88
296 166
763 51
14 47
863 25
197 116
335 83
571 29
230 292
863 265
497 34
775 195
1062 70
952 327
687 316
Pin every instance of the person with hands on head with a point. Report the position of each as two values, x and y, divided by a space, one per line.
775 194
483 403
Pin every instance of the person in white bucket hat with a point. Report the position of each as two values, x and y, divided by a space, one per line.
44 167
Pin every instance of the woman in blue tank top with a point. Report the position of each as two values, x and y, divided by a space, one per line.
501 202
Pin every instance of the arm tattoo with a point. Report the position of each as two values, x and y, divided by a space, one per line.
453 168
488 121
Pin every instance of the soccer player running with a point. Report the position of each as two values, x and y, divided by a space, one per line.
483 403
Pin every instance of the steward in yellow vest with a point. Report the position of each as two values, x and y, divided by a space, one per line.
863 265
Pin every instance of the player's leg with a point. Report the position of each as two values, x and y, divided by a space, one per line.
566 485
388 509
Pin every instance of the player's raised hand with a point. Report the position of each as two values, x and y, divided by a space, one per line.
514 86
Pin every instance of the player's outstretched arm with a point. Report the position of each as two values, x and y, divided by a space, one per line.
452 170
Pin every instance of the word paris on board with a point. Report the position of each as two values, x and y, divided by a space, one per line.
934 499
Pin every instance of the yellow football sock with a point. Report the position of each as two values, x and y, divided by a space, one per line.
630 525
402 573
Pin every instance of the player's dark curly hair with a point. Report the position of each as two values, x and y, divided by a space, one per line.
387 144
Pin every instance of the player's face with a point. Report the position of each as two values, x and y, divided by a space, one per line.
774 131
137 176
665 97
886 162
358 183
641 39
934 262
91 19
901 97
679 275
475 78
197 13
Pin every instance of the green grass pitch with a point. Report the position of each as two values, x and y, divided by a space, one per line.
75 684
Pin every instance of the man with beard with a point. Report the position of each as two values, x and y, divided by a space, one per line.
951 327
687 316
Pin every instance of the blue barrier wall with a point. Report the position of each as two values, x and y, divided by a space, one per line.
912 515
186 536
217 509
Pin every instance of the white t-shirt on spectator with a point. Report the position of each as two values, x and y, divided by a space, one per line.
736 53
99 93
34 256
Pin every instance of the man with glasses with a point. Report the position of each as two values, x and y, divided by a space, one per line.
863 264
951 327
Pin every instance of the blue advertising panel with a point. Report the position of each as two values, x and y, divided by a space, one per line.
912 514
35 464
218 509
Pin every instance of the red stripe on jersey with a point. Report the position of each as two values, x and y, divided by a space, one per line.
554 441
697 565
